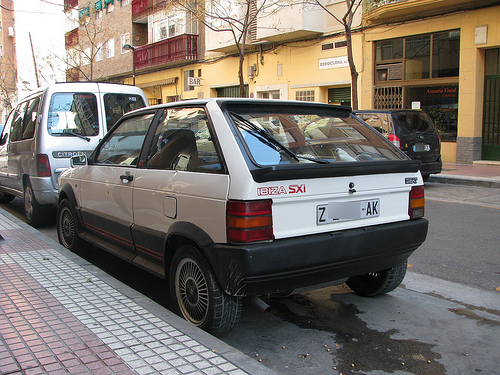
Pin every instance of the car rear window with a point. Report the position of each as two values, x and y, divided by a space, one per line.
73 113
307 134
413 121
118 104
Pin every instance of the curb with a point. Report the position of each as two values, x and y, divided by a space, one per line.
467 181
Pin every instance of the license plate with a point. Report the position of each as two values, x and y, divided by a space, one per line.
345 211
421 147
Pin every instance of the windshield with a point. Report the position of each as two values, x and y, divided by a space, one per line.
73 113
309 135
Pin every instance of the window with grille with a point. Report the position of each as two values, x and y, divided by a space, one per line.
305 95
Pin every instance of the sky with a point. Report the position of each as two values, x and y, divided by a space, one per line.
44 20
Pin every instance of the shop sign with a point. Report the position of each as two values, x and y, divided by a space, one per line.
333 62
194 81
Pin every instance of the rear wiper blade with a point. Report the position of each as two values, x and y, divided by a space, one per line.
270 140
76 135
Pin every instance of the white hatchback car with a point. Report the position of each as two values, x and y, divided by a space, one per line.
235 197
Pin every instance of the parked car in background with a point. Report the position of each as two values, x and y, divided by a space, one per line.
45 129
228 198
410 130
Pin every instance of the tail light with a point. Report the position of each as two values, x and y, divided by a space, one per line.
42 165
249 221
417 202
393 138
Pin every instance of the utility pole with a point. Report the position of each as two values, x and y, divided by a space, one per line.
34 62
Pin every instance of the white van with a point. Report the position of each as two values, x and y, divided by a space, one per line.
47 128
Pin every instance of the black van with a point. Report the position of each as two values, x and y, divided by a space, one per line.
412 131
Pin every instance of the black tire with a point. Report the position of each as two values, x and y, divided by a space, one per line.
377 283
6 198
425 177
196 295
67 229
36 213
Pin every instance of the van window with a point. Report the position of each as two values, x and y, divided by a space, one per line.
16 132
30 118
73 113
118 104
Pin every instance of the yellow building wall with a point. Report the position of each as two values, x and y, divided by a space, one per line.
471 76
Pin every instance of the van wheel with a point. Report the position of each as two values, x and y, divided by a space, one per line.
67 231
36 213
196 295
6 198
377 283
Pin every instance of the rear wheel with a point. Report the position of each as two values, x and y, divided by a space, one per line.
36 213
196 295
67 230
377 283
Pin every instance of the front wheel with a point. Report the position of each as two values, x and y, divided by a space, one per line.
36 213
67 230
377 283
196 295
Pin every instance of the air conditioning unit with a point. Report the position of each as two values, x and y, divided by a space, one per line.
11 31
389 72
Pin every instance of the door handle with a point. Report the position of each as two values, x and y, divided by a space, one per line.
126 178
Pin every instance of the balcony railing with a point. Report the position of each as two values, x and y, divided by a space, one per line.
373 4
177 49
143 8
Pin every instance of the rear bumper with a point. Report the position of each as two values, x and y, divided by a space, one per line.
287 264
430 168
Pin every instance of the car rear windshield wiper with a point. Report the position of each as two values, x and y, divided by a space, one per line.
270 140
76 135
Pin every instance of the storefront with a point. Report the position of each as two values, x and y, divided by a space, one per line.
420 72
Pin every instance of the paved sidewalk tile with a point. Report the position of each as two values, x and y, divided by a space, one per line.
56 317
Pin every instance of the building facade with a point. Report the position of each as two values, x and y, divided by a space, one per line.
439 56
8 62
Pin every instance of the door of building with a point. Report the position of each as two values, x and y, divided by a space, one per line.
491 119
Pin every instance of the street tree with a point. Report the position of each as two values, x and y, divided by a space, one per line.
8 89
346 20
88 46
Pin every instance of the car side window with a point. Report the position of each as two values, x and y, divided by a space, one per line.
123 146
183 141
16 132
30 118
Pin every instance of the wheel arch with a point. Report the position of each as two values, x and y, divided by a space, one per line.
183 232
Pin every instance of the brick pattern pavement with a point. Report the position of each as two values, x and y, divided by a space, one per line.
58 318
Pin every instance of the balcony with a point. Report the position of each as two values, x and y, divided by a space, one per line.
141 9
178 49
71 38
70 4
399 10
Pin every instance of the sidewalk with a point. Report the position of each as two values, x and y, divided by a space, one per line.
481 173
61 315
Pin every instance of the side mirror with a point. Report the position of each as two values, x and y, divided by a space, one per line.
78 161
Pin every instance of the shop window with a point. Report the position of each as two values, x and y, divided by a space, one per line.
417 57
441 103
445 54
